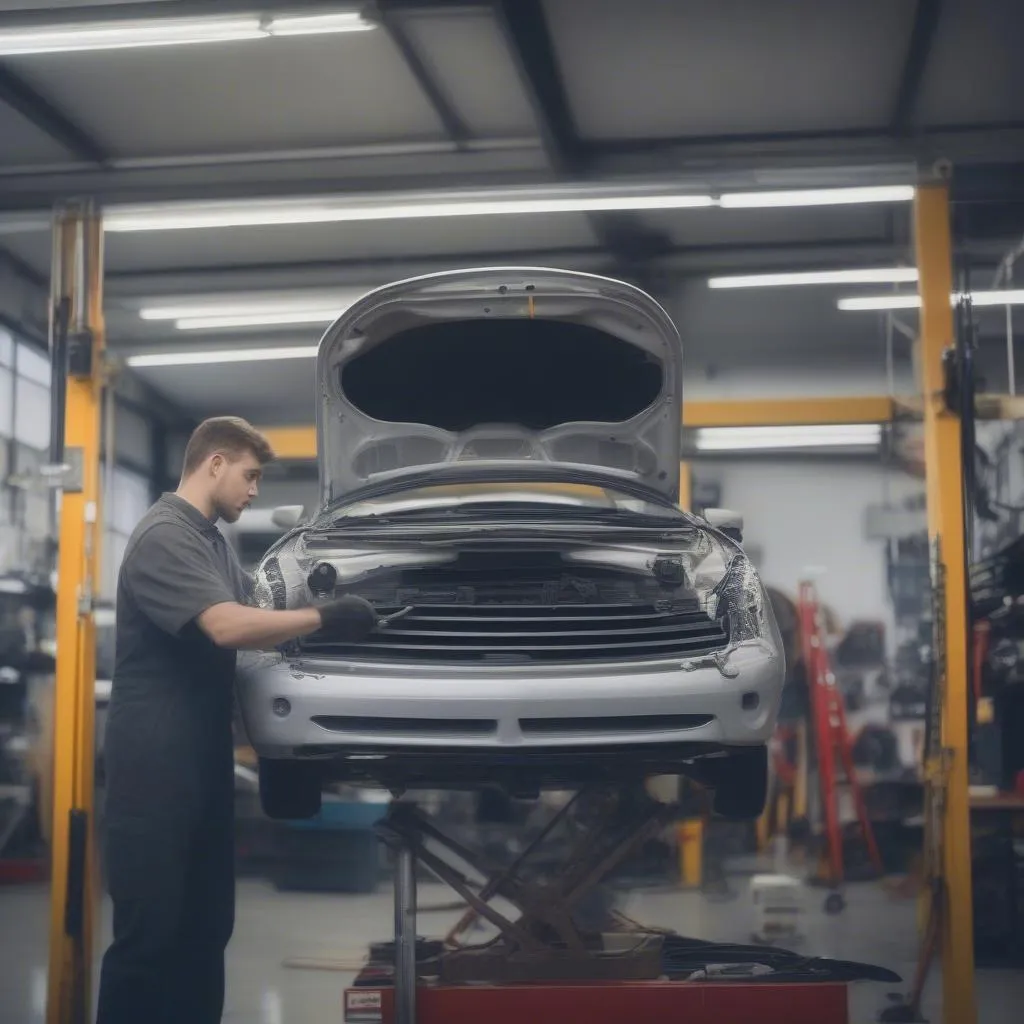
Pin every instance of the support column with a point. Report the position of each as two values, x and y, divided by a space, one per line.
405 935
685 487
944 471
76 345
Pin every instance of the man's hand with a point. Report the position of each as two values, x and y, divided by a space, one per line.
238 627
349 618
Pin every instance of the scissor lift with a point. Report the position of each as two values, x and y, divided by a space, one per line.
543 965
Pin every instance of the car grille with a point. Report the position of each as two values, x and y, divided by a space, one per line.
504 634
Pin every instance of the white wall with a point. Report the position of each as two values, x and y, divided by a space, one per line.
274 492
808 515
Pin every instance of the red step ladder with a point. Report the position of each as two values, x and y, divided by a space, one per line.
832 743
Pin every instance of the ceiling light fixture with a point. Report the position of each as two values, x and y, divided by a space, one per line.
831 435
317 24
868 275
240 310
220 323
1004 297
120 35
818 197
333 209
230 355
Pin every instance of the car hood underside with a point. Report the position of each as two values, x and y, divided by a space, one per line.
500 368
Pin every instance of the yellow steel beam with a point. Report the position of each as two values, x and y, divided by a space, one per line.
292 442
788 412
77 283
944 475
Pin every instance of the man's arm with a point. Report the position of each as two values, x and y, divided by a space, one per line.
243 628
175 583
348 619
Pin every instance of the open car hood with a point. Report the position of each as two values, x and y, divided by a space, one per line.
500 368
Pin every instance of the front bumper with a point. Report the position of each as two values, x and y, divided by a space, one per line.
344 707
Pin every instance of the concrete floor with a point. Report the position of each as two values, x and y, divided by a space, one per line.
273 927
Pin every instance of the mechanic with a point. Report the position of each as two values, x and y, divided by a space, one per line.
182 613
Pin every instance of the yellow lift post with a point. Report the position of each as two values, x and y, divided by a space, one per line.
76 343
948 827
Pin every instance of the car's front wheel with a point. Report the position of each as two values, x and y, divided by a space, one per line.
740 783
289 789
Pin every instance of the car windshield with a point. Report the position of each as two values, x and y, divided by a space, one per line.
466 498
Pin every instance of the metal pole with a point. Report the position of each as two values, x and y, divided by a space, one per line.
405 935
1011 366
944 471
77 344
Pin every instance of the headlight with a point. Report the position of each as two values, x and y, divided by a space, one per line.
741 598
280 580
727 586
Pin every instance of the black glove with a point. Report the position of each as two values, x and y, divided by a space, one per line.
349 618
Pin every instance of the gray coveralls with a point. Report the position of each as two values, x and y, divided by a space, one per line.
170 775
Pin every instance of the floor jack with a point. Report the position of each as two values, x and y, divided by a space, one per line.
544 965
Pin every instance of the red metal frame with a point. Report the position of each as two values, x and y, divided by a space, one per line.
831 736
652 1002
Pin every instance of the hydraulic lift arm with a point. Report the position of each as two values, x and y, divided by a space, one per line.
947 783
76 345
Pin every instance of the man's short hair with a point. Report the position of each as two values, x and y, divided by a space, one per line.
230 436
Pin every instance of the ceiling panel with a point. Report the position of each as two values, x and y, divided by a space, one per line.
280 392
221 97
750 322
735 227
689 67
22 144
32 248
975 72
471 62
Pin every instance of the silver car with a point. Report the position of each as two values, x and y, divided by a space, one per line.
499 465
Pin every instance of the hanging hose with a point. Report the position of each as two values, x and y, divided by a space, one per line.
59 378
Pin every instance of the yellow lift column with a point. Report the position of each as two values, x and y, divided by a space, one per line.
76 345
947 785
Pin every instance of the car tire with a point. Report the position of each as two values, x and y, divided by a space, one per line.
740 783
289 790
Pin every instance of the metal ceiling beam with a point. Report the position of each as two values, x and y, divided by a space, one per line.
21 97
525 28
749 257
391 20
922 36
961 142
533 52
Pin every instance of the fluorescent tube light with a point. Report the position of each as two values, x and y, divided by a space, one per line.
333 209
1004 297
230 355
830 435
219 323
865 302
868 275
241 304
119 35
819 197
318 24
1007 297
